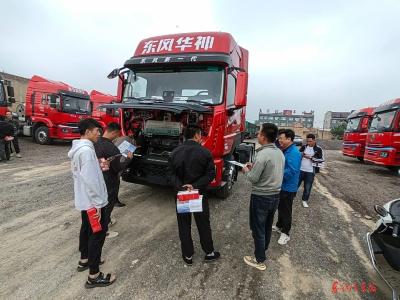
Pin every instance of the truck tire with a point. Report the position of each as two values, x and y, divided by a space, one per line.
42 136
225 191
395 170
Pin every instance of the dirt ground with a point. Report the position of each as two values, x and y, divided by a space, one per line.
39 238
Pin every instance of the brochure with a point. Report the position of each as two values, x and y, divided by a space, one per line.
189 202
236 163
126 147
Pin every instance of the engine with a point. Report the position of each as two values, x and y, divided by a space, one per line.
158 133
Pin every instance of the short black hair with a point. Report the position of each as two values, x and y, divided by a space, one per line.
87 124
289 133
280 131
191 131
311 136
270 131
113 126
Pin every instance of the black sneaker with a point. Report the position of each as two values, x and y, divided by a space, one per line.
119 204
209 258
188 261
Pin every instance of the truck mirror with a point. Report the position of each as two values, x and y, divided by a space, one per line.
241 89
11 100
114 73
10 92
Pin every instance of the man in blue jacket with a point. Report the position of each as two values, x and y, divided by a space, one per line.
289 184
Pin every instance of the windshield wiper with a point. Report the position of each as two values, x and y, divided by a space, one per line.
131 98
195 101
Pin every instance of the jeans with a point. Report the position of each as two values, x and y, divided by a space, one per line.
285 211
262 211
308 178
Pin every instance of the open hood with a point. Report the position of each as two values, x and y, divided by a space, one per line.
171 107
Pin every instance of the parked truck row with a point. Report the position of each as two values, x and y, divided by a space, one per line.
53 109
373 135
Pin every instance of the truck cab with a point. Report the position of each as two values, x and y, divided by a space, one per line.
102 115
383 139
53 110
176 80
355 135
6 96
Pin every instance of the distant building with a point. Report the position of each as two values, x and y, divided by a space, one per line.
20 85
334 118
287 118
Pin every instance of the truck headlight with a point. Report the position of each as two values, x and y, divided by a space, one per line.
384 154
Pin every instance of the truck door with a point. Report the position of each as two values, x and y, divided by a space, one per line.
53 106
37 104
233 114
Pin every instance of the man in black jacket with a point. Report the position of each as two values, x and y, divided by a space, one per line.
15 124
6 131
312 160
105 148
192 167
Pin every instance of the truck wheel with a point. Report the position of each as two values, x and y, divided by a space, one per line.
395 170
360 158
225 191
42 135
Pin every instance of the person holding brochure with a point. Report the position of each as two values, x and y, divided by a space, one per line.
91 200
192 168
105 148
266 176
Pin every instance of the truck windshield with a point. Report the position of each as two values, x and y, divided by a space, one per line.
352 124
75 105
382 121
203 85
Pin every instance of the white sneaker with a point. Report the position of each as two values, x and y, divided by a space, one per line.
275 229
18 155
283 239
251 261
12 154
305 204
111 234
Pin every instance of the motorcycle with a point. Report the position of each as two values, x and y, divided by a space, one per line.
385 239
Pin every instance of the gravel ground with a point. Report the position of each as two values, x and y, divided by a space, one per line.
39 240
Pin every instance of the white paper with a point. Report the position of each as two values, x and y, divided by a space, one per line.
196 205
126 147
236 163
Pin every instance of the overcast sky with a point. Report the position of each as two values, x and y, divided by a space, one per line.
304 55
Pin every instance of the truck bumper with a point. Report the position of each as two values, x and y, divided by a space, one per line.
385 156
353 149
63 132
155 172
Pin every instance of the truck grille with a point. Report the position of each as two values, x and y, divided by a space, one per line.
373 153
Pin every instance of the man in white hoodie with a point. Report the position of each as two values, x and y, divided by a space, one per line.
90 192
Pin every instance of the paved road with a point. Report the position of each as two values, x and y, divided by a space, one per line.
39 230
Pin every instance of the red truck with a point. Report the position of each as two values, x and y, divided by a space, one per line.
383 139
102 115
356 133
53 110
6 96
176 80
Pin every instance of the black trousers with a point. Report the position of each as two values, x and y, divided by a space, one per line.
15 143
3 149
112 191
203 226
285 211
91 244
